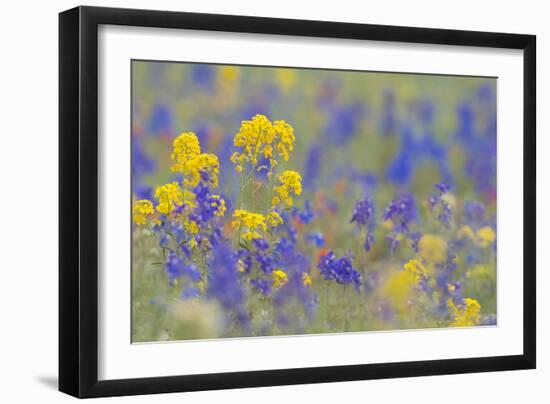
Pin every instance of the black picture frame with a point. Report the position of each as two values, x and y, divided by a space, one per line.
78 200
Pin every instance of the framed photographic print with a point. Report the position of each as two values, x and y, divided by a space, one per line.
251 201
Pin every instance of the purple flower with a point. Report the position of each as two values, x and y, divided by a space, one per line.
176 268
439 204
339 270
260 244
189 293
316 238
474 212
307 214
363 215
261 285
363 212
401 211
223 283
160 121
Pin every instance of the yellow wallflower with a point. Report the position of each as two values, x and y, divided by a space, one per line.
168 195
285 139
260 136
191 226
286 78
432 249
186 146
465 315
466 231
192 163
291 183
142 210
306 279
204 164
221 205
273 219
416 269
280 278
399 288
485 237
228 76
252 222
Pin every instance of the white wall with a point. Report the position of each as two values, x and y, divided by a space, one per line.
28 207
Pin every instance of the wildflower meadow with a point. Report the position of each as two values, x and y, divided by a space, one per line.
280 201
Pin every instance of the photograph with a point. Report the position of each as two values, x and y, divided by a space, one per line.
270 201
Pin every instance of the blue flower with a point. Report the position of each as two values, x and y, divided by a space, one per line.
363 212
343 123
160 121
189 293
307 214
474 212
313 166
176 268
316 238
142 164
261 285
203 75
260 244
401 211
437 202
265 261
223 283
388 120
339 270
363 216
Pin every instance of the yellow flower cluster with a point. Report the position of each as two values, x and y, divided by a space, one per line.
280 278
273 219
484 237
291 183
193 164
168 195
259 136
255 222
306 279
465 315
221 206
142 210
432 249
416 269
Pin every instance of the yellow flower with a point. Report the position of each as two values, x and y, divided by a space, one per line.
221 205
416 269
228 75
466 314
285 139
273 219
191 226
193 164
186 146
399 288
466 231
306 279
485 237
260 136
280 278
291 183
142 210
286 78
252 222
432 249
168 195
206 165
